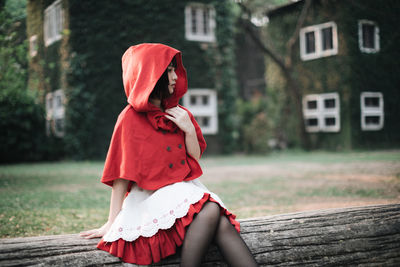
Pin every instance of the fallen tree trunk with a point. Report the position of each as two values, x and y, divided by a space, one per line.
367 236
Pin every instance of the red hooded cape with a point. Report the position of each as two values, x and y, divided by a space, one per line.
146 147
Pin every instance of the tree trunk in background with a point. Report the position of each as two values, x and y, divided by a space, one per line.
285 64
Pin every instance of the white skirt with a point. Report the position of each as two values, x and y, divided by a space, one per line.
145 212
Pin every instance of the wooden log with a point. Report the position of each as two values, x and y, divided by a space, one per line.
363 236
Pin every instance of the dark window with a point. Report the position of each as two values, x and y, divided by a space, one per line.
310 42
205 100
206 20
206 121
312 122
372 120
368 36
330 103
58 101
327 40
194 21
193 100
59 125
312 104
372 102
330 121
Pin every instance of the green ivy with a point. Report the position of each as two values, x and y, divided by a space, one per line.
100 31
349 73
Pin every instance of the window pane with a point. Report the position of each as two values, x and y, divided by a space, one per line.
310 42
330 103
312 122
372 102
58 18
330 121
205 100
312 104
194 20
372 120
327 43
58 102
206 21
368 35
206 121
59 125
193 100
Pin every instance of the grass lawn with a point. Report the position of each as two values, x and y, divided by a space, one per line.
67 197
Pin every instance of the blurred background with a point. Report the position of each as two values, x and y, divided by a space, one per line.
298 102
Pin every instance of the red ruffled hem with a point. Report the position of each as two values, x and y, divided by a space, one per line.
147 250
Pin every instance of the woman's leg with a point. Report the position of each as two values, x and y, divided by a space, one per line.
200 234
231 245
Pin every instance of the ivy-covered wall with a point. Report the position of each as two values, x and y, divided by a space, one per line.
86 63
100 31
45 69
348 73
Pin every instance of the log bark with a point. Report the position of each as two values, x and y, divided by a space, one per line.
363 236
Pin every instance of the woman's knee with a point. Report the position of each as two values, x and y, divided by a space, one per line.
225 225
210 212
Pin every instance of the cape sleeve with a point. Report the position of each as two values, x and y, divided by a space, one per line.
199 134
117 163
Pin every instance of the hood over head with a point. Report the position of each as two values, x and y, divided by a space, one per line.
142 67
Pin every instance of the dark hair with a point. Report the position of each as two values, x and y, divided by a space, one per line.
160 90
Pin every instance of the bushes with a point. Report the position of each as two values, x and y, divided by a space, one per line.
22 124
22 127
255 126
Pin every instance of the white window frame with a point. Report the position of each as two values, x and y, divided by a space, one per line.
371 111
321 113
317 29
376 37
311 113
55 110
199 10
33 45
53 23
200 110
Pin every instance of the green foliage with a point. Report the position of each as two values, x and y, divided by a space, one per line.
225 76
100 32
16 8
22 127
255 130
13 53
21 119
348 73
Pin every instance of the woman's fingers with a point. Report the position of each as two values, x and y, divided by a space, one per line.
91 233
86 233
94 235
170 118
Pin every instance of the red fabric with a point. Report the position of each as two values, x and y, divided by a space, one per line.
147 250
146 147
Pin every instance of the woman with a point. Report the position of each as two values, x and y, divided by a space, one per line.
153 156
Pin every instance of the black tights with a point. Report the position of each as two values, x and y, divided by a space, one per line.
209 225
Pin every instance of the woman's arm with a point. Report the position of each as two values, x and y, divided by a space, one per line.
181 118
119 189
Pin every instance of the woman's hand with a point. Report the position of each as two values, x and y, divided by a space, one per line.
100 232
181 118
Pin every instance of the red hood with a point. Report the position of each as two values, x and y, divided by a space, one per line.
142 67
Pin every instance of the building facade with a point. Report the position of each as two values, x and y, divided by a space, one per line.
345 64
75 49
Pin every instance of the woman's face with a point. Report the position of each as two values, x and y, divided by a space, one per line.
172 79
